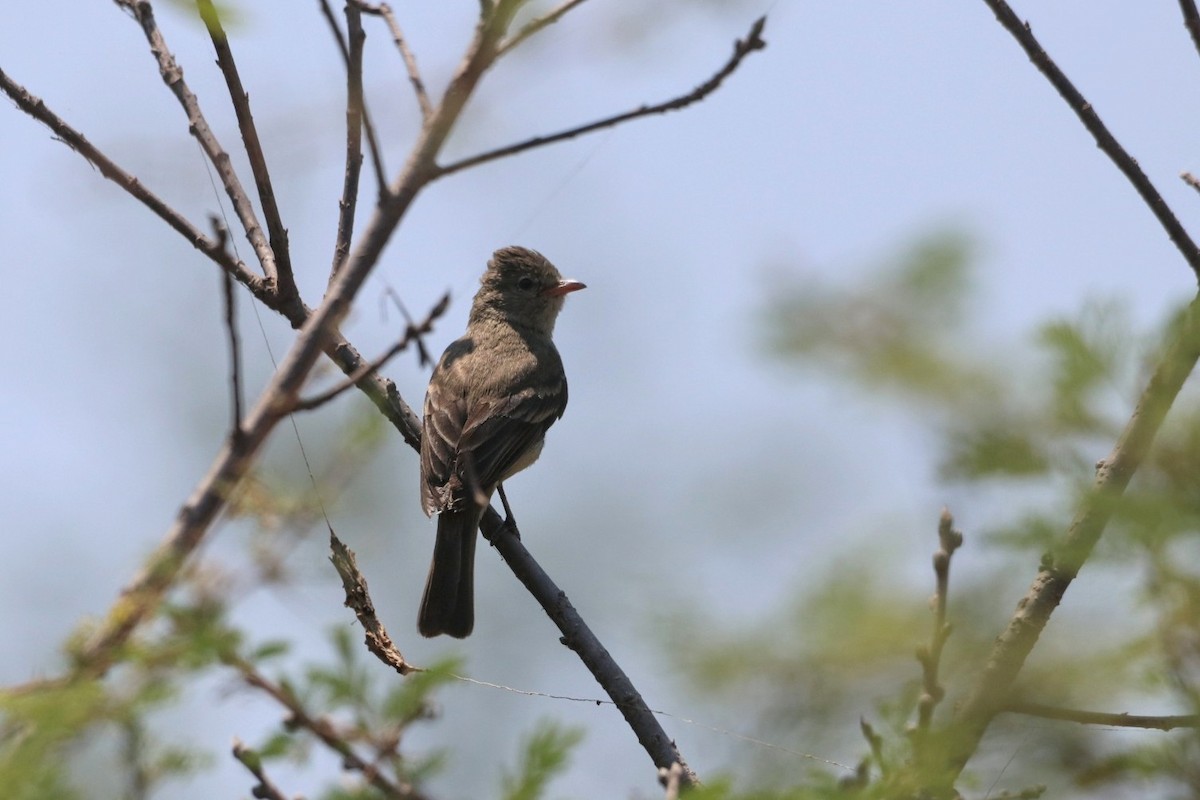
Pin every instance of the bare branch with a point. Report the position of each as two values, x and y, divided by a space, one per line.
318 333
372 141
34 107
324 730
358 600
579 637
355 108
533 26
1161 723
1191 20
253 762
1104 139
413 333
381 391
425 359
410 61
235 350
286 280
172 76
741 49
1190 179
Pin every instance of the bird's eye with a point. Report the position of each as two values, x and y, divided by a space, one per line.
525 283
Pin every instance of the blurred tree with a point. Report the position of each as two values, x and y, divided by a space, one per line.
1020 423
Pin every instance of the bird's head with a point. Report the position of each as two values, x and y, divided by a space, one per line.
524 288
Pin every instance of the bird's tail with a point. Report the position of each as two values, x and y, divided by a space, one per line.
448 605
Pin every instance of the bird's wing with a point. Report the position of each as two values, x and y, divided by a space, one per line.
501 432
470 446
441 427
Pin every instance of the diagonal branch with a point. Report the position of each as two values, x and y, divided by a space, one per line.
741 49
411 334
215 250
358 599
579 637
1104 139
533 26
322 729
410 61
1191 20
286 280
172 76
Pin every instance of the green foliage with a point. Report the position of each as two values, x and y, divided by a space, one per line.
366 708
37 729
1029 423
890 333
545 754
904 333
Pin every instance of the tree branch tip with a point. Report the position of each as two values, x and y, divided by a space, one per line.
754 40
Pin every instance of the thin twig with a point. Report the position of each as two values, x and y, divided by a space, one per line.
579 637
355 105
410 61
34 107
671 778
235 350
423 356
1190 179
172 76
875 742
533 26
252 761
380 390
1104 139
323 729
286 281
1162 723
413 333
932 691
1191 20
741 49
133 750
381 182
358 600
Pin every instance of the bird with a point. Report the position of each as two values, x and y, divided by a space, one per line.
493 394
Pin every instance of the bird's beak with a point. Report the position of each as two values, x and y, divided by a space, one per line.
563 287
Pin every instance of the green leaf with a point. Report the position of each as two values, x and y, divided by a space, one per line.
544 755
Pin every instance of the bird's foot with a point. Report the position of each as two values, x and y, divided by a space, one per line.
510 521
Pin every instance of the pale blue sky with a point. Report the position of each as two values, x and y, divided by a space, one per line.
860 126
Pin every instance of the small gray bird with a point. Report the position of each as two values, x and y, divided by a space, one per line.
493 395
